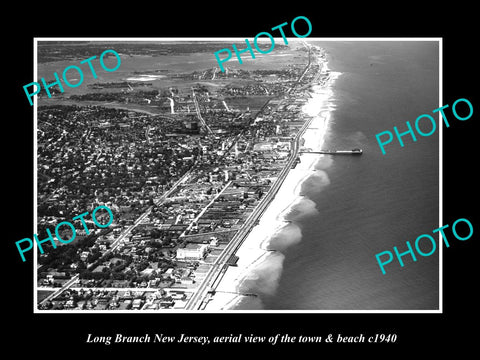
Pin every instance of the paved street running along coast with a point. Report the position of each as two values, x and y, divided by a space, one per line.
206 281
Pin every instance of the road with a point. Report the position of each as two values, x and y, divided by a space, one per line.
212 276
147 134
195 302
216 271
195 220
199 115
65 286
123 235
142 217
132 289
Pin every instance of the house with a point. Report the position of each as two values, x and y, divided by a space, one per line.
102 305
84 255
165 303
186 280
153 306
168 272
179 304
125 305
70 304
137 304
213 241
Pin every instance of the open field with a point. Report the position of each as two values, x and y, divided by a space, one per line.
170 66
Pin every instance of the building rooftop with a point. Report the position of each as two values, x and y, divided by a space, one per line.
194 246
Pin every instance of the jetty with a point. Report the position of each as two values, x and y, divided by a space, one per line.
333 152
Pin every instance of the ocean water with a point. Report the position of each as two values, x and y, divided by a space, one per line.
363 205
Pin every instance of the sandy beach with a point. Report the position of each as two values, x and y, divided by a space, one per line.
260 256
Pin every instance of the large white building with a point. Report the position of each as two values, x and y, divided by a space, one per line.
192 252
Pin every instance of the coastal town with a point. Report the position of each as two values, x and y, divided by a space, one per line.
187 171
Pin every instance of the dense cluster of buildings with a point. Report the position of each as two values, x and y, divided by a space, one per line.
89 155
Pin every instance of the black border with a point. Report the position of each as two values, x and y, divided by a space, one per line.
416 332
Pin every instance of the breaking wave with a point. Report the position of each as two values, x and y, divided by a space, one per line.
262 254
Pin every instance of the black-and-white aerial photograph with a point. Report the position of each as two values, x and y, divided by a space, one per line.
214 179
253 186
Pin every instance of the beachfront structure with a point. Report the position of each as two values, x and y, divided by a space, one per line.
192 252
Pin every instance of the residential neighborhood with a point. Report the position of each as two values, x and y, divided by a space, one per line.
181 179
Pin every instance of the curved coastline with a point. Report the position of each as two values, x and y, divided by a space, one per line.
261 255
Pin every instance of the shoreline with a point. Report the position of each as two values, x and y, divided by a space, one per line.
261 254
